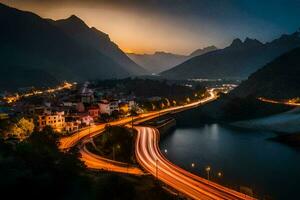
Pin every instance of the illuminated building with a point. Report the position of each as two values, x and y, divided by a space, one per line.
55 119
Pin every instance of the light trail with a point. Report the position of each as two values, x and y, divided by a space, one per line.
152 160
288 102
11 99
94 161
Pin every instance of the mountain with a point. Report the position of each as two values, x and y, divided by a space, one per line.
78 30
278 79
205 50
238 60
161 61
157 62
29 43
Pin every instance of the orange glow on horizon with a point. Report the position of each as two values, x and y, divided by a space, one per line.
132 30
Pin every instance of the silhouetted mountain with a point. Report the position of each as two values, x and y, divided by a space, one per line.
157 62
161 61
199 52
238 60
30 43
77 29
278 79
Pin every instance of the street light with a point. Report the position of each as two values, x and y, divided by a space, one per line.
207 169
166 150
220 174
193 165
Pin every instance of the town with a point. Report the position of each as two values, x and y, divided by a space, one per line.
70 107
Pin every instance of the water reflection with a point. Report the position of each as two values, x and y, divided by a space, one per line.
244 158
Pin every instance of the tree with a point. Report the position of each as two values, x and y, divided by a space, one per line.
105 117
115 114
21 129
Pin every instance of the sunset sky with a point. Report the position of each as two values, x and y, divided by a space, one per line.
178 26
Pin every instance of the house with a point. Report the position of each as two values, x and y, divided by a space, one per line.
86 94
124 107
114 105
54 119
127 105
94 111
104 107
108 106
72 126
86 120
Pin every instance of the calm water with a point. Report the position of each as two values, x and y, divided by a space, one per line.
244 157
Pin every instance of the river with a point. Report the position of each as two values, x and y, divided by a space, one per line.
244 157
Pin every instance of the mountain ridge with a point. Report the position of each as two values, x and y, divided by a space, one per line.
160 61
238 60
31 43
278 79
81 32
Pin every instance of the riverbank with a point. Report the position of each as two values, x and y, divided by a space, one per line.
286 122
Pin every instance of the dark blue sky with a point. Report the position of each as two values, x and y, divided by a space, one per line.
176 25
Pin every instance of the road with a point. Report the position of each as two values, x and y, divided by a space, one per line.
288 103
152 160
70 141
94 161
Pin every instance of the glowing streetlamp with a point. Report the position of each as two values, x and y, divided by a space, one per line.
193 165
207 169
220 174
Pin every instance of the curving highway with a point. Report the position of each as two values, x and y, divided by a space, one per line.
94 161
152 160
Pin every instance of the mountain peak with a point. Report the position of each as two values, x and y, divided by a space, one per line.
252 42
199 52
73 23
286 38
236 43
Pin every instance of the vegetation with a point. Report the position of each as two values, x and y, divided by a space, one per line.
160 88
35 168
248 108
18 129
115 143
278 79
